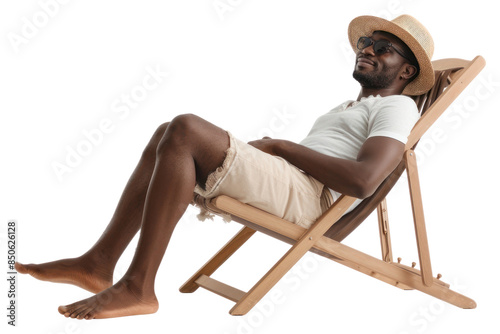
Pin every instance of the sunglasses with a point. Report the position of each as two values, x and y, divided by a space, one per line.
379 47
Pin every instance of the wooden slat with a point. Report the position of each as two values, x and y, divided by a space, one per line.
447 63
220 288
218 259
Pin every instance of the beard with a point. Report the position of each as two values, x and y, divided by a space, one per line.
375 80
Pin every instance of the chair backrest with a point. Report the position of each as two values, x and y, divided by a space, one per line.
451 77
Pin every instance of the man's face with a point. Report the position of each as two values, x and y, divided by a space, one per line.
378 71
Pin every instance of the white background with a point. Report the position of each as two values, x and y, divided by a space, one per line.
237 67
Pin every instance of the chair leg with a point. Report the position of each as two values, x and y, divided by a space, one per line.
218 259
418 217
262 287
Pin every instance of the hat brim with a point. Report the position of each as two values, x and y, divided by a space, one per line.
366 25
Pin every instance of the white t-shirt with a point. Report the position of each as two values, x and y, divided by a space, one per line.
342 131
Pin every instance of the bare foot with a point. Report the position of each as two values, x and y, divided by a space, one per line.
120 300
81 272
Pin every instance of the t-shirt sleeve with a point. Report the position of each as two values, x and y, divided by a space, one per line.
394 118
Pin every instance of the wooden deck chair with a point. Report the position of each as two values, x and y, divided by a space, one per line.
324 236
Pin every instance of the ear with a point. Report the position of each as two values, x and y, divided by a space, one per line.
408 72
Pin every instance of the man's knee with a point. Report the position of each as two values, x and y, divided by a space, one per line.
180 132
184 123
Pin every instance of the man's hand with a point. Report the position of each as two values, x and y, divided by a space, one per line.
266 144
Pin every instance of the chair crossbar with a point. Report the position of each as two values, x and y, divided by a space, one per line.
220 288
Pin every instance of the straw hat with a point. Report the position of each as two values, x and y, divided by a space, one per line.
412 33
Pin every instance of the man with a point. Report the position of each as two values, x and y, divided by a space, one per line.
349 150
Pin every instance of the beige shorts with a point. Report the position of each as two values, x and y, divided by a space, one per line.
269 183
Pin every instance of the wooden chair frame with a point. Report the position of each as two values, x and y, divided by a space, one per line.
324 236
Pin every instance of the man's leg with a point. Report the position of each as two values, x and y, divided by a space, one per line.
93 270
188 152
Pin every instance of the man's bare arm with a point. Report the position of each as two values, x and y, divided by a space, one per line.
377 158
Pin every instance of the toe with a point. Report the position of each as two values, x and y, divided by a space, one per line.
62 309
81 313
21 268
77 311
65 309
